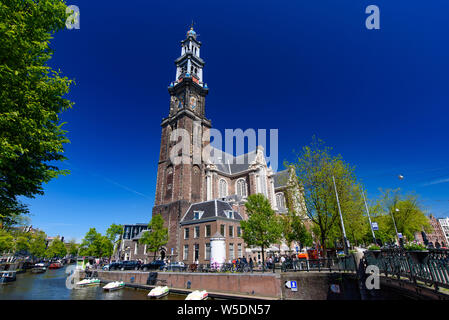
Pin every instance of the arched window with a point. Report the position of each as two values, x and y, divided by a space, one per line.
280 200
222 188
169 183
241 188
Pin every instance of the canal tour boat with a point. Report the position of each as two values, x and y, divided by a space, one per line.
197 295
88 282
158 292
39 268
115 285
7 276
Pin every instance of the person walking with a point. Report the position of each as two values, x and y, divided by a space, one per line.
251 264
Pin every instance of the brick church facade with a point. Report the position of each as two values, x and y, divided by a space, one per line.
203 196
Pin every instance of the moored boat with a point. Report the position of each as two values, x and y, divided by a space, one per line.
55 265
7 276
39 268
115 285
88 282
197 295
158 292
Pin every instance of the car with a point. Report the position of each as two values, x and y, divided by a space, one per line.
130 265
153 265
175 266
113 266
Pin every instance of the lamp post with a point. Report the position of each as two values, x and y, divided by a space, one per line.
369 218
394 223
345 240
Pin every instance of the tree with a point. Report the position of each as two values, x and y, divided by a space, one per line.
56 249
157 236
406 210
96 245
263 228
6 241
315 168
114 234
72 247
294 230
31 99
38 244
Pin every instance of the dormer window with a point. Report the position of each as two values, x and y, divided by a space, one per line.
197 215
229 214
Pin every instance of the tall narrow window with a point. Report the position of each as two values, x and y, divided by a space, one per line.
231 231
222 188
186 252
239 251
239 231
197 232
231 251
280 200
208 230
241 188
222 230
207 252
186 233
196 254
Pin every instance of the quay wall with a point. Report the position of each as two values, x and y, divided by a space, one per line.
258 285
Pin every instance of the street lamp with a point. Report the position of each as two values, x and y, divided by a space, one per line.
394 223
341 220
369 218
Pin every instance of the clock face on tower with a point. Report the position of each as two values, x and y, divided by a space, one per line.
193 102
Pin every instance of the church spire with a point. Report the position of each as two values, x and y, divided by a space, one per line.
189 64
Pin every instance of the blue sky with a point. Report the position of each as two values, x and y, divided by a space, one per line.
378 97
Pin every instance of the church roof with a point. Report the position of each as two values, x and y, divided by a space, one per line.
229 164
209 210
281 178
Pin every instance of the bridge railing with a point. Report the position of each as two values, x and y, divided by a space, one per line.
430 267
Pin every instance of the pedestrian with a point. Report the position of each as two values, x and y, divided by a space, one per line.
251 263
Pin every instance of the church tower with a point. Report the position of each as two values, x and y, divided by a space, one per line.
179 185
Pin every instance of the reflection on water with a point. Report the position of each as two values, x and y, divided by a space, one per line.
51 285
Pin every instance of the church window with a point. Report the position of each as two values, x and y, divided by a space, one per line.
280 200
222 188
241 188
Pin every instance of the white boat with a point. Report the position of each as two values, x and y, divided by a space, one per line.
88 282
115 285
197 295
158 292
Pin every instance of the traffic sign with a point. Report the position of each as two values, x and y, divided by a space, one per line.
399 235
375 226
294 285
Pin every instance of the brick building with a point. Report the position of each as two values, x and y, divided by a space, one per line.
436 236
209 182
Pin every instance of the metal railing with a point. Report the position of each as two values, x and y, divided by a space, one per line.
429 267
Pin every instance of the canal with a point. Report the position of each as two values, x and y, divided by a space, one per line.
51 285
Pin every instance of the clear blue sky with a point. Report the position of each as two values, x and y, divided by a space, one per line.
378 97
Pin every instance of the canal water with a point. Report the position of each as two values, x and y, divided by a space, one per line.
51 285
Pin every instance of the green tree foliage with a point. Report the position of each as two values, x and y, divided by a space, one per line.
72 247
315 167
56 249
96 245
114 233
6 241
31 99
409 216
38 244
294 230
263 228
157 236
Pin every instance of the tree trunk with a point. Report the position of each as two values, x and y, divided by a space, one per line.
154 258
263 259
323 244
